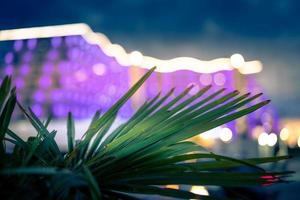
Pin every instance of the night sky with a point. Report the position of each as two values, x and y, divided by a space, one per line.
266 30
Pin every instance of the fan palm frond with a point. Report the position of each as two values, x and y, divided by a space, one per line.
140 156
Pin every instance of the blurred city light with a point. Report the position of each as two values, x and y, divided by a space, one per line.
272 139
225 134
237 60
284 134
201 190
263 139
136 58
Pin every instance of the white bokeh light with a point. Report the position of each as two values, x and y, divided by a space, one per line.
225 134
237 60
136 58
272 139
99 69
263 139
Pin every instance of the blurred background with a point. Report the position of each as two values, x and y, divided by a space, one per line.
249 45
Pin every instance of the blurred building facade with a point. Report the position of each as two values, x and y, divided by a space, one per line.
65 68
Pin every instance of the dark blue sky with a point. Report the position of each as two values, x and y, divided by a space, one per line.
267 30
253 18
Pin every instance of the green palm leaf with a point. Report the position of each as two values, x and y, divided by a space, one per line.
140 156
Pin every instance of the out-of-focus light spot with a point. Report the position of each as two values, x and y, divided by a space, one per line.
284 134
45 81
48 68
201 190
298 141
19 83
53 55
8 70
112 49
211 134
39 96
251 67
225 134
56 95
18 44
9 58
80 76
136 58
175 187
205 79
73 53
44 32
99 69
59 110
24 70
27 57
37 109
187 63
56 41
205 136
219 79
263 139
31 44
237 60
272 139
194 89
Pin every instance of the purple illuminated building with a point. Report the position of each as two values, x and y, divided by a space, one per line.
61 74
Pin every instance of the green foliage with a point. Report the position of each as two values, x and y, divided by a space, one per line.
7 103
139 157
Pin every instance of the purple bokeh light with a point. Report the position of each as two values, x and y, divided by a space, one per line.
27 57
56 42
45 81
9 58
37 109
39 96
18 44
31 44
24 69
8 70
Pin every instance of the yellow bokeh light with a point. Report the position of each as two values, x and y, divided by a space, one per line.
284 134
201 190
175 187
